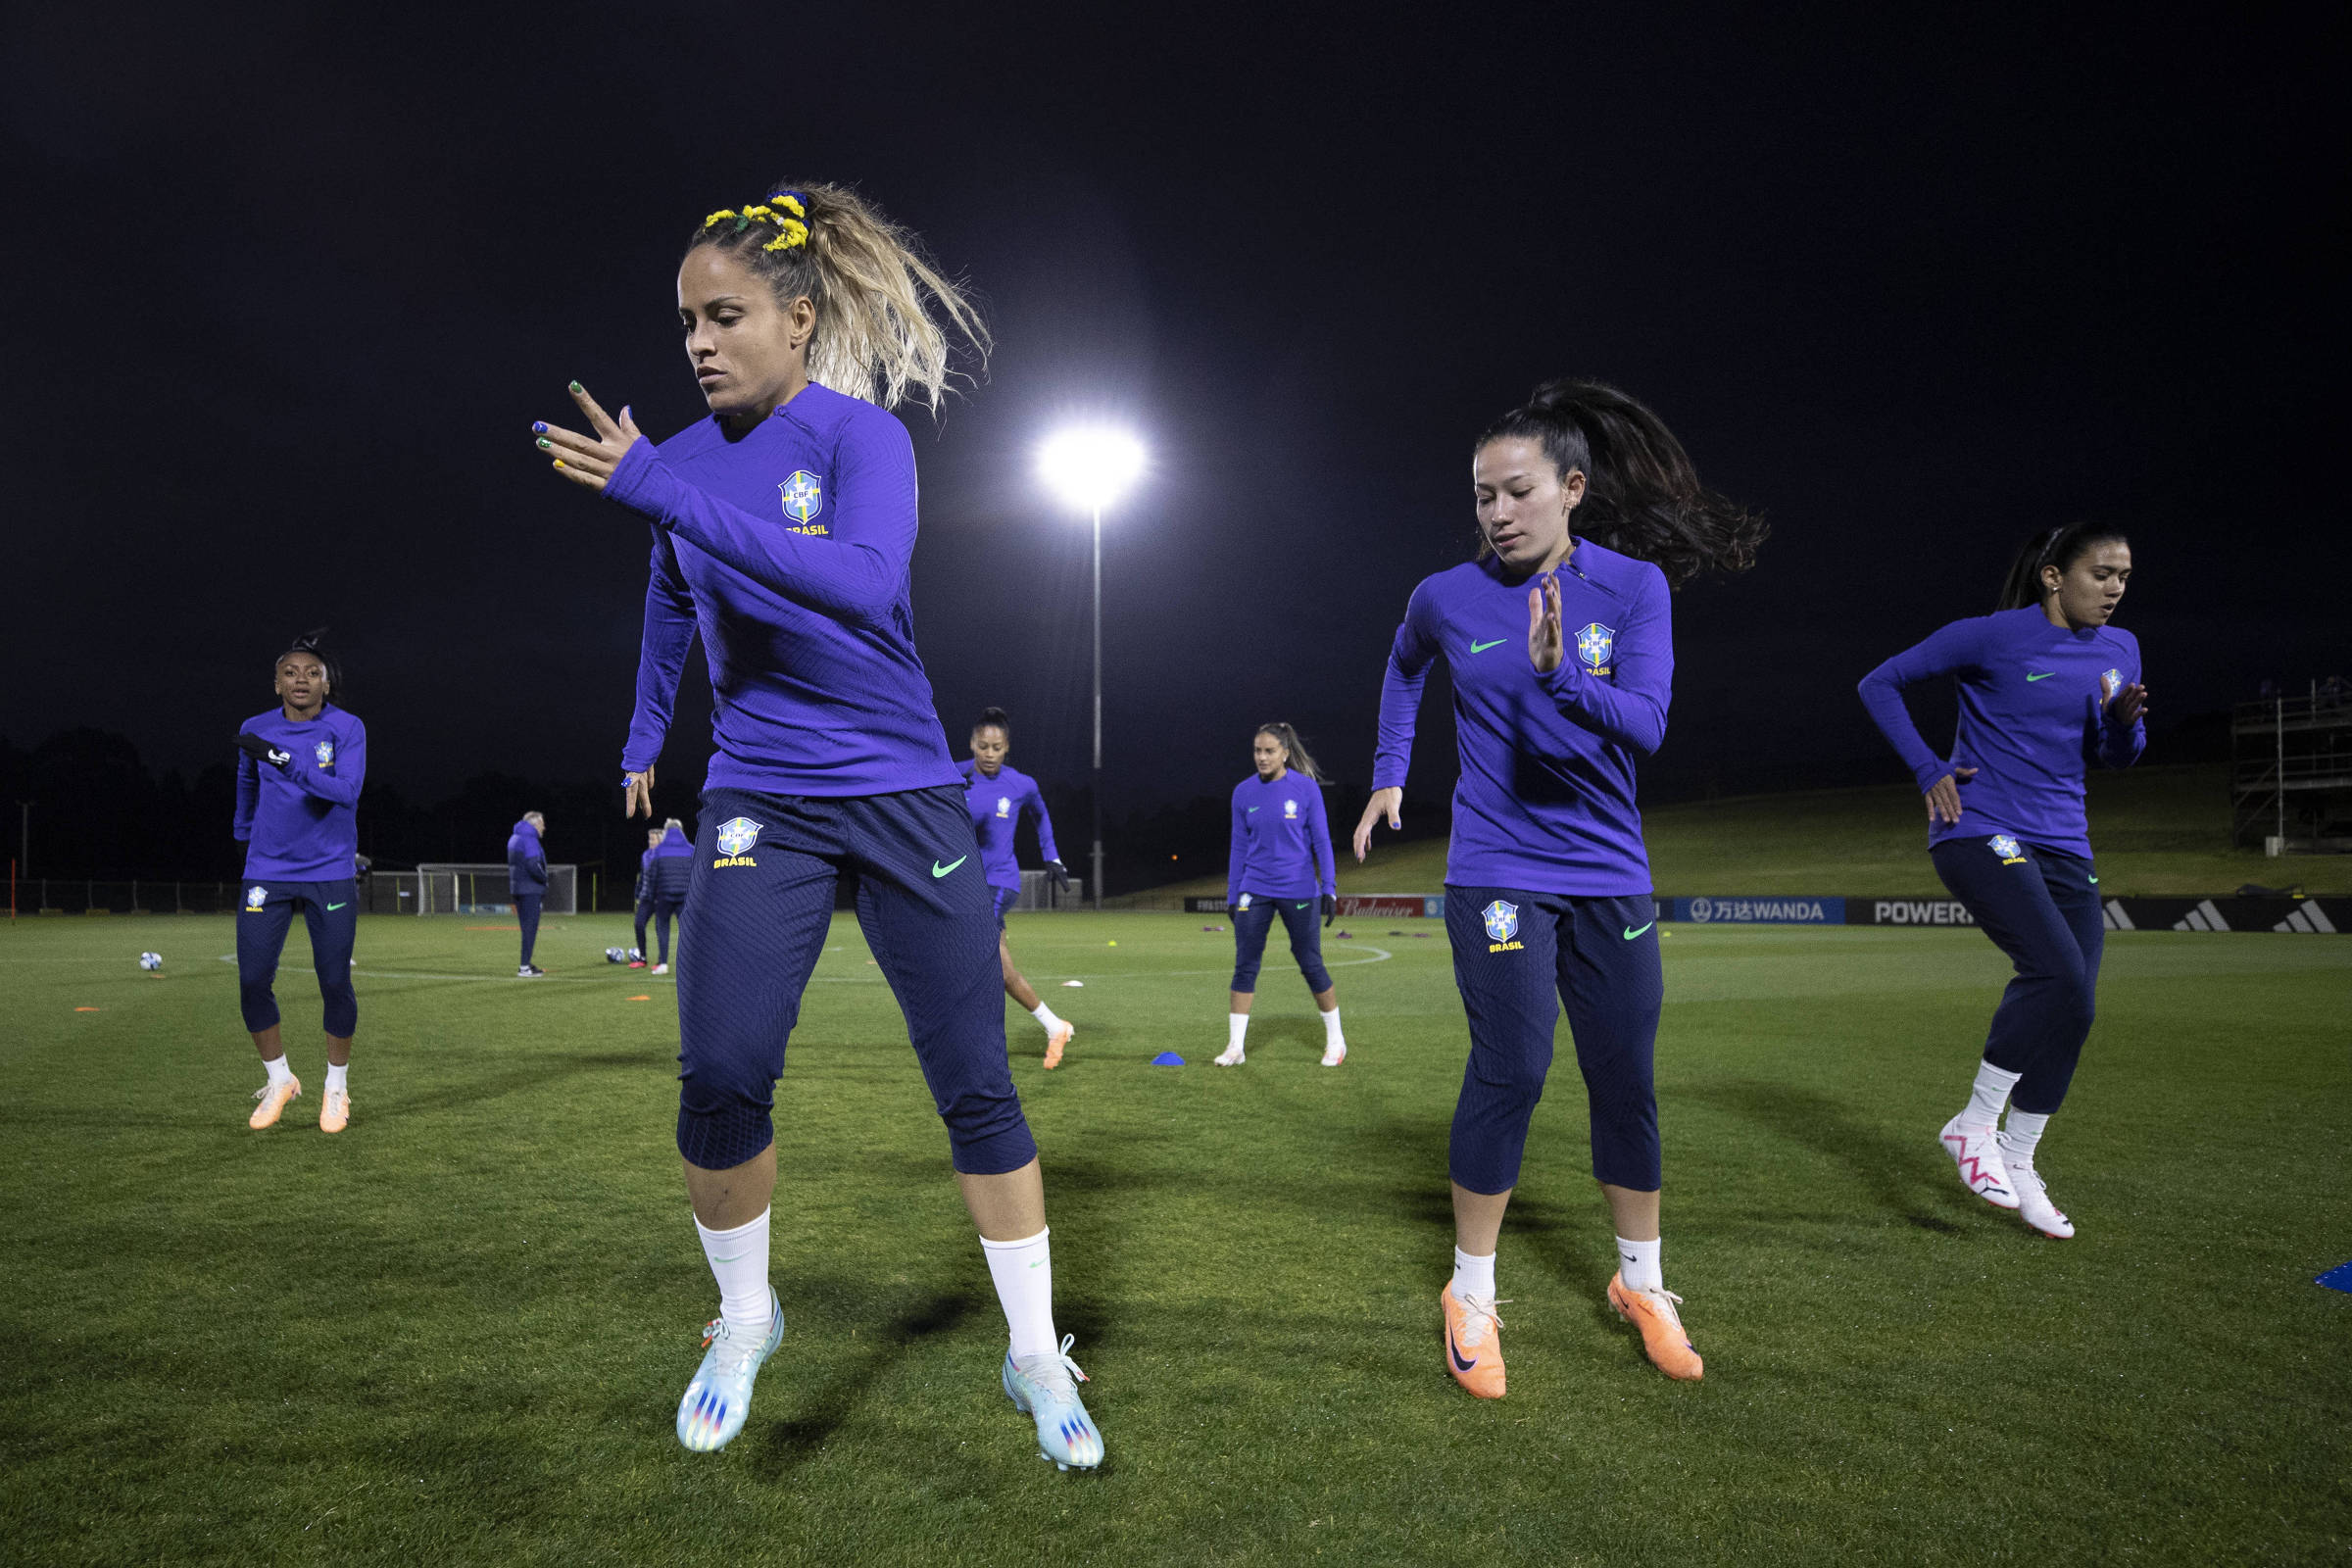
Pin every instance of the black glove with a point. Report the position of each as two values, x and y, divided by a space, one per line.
260 751
1331 911
1059 875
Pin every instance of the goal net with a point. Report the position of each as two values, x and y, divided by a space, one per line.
452 889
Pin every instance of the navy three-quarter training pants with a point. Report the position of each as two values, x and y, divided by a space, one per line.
1250 929
1518 956
760 903
2042 910
331 912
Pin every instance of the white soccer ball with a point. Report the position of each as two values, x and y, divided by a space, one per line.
151 961
615 955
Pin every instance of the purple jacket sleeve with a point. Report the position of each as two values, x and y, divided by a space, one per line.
1036 802
854 574
1409 659
661 657
2119 745
249 796
1631 710
1948 651
1318 833
1233 858
342 786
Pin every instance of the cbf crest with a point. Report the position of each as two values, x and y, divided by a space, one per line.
324 751
737 835
1290 810
256 897
1502 920
2007 849
804 496
1596 644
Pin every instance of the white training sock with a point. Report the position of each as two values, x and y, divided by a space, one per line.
1236 1024
338 1079
1473 1276
2018 1138
739 1262
1330 1029
1023 1272
279 1072
1045 1016
1640 1266
1990 1093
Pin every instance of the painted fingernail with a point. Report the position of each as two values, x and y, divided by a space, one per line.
558 463
545 444
576 387
539 427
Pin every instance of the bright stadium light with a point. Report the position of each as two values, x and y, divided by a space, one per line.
1090 467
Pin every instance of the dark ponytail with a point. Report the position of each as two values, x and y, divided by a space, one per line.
2059 547
1641 496
1296 757
994 718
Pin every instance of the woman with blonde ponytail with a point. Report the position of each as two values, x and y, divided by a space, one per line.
783 527
1280 864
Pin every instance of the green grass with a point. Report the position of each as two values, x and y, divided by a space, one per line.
456 1334
2158 832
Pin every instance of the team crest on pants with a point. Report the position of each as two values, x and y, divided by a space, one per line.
737 835
2007 849
1502 924
256 897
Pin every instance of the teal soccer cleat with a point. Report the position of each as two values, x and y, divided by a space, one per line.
1045 1389
720 1395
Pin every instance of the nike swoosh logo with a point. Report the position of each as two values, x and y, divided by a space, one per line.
1253 808
1633 931
2044 675
347 901
1480 648
938 870
1459 1365
1302 905
2094 881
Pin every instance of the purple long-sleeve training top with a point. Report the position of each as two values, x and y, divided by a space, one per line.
302 824
2031 720
997 805
789 549
1545 801
1281 847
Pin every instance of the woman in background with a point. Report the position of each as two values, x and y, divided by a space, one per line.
1280 864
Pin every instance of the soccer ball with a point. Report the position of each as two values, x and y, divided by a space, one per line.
616 954
151 961
636 955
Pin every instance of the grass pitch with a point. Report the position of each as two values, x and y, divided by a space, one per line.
457 1333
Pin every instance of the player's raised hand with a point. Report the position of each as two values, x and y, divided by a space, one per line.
1944 796
2124 704
639 794
1388 803
589 460
1543 625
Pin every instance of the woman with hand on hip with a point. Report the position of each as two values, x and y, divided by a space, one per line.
1280 864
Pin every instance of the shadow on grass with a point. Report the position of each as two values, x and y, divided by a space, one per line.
1894 1171
785 1445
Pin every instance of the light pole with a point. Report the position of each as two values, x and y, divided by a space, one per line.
1089 468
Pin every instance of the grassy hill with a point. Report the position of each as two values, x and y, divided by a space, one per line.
2159 831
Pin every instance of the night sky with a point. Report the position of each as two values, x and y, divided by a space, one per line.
285 293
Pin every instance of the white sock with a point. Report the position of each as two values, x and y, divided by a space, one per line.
1989 1094
1023 1272
1045 1016
739 1262
1330 1029
1236 1024
1640 1266
1473 1276
279 1072
338 1079
2018 1139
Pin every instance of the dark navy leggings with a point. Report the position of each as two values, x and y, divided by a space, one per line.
526 916
1298 917
2042 910
1518 956
332 911
665 910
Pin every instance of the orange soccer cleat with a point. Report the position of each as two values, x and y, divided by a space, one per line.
272 1098
1057 1042
334 1110
1663 1339
1473 1342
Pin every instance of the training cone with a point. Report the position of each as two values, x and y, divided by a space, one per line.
1167 1059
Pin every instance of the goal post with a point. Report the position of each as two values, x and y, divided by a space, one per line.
455 888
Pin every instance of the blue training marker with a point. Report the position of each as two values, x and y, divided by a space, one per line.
1170 1058
2337 1279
